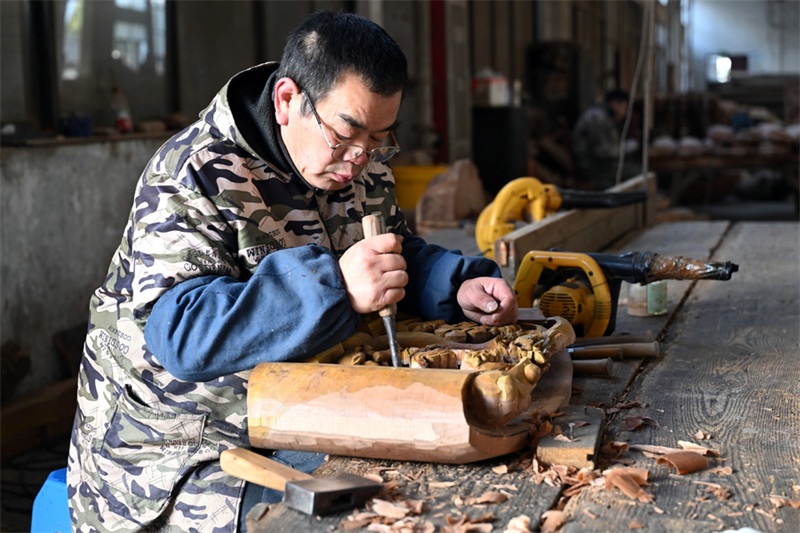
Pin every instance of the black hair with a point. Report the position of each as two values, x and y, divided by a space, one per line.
327 45
617 94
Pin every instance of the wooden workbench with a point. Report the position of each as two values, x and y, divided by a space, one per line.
729 368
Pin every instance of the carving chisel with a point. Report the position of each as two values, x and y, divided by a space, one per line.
374 225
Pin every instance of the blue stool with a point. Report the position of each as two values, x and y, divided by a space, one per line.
51 506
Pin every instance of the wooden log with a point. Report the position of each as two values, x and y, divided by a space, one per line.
388 413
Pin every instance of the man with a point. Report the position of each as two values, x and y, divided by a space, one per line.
595 142
245 245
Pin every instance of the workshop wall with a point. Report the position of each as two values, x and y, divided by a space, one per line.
62 213
65 202
766 32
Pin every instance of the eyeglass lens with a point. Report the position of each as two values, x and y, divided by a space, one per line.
348 152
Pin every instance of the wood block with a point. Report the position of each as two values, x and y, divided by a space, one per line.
582 451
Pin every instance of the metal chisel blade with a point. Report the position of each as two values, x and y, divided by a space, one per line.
391 333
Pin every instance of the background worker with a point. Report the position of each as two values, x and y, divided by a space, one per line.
244 245
596 142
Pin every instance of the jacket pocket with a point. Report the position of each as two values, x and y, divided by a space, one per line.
142 455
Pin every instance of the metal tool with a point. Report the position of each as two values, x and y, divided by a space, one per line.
530 200
302 492
374 225
584 288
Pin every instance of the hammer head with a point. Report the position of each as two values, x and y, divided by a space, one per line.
327 495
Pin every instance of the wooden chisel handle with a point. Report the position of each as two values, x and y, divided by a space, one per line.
617 339
595 352
636 349
374 225
255 468
595 367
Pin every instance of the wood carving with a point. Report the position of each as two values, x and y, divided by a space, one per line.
455 401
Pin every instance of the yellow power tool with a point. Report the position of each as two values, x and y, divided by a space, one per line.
530 200
584 288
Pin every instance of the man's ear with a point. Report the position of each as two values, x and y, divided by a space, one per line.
285 90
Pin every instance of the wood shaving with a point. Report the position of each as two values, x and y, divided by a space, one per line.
657 509
581 423
563 438
486 498
441 484
634 422
636 525
466 524
616 448
780 501
630 482
349 524
389 509
545 428
692 447
518 524
552 521
721 470
590 514
685 462
700 435
502 469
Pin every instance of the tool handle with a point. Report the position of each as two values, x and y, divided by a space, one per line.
374 225
592 367
633 349
595 352
618 339
258 469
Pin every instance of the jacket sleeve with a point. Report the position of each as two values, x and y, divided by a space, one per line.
211 326
435 275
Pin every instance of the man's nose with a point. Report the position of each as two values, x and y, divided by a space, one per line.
361 160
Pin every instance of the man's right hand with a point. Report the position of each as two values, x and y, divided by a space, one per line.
374 272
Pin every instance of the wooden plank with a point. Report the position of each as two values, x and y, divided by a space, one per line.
414 481
585 230
730 370
584 441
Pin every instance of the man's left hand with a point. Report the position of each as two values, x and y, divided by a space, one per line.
488 301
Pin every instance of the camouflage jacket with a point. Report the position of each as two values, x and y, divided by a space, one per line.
145 446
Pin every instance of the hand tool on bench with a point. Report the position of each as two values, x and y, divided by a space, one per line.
301 491
592 367
374 225
612 339
584 288
616 351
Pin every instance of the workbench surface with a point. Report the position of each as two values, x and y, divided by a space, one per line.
728 368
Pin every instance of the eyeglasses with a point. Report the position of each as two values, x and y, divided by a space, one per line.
348 152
